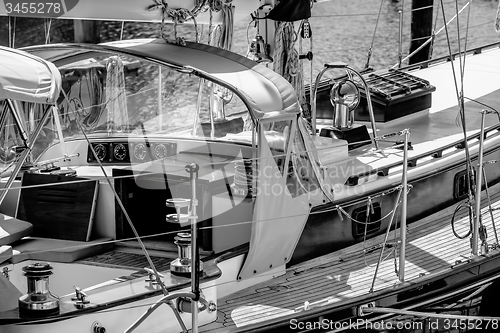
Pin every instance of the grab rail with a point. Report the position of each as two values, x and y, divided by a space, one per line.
341 65
435 153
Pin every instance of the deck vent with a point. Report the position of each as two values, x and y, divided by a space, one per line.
359 217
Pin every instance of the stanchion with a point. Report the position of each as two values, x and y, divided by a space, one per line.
402 249
192 169
479 178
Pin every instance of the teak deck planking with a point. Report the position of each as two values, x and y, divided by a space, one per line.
347 273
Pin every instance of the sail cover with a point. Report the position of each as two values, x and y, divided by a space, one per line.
25 77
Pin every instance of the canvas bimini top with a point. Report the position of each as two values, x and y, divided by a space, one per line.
28 78
266 92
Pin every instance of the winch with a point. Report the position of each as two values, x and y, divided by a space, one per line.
39 301
182 265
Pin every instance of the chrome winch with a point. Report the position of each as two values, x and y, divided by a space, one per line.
39 301
182 265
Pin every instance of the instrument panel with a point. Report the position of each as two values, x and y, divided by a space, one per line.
130 152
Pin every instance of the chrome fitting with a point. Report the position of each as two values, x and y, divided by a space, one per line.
152 279
81 298
97 328
182 265
39 301
361 312
183 304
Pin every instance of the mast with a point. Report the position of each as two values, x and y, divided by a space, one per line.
421 29
87 31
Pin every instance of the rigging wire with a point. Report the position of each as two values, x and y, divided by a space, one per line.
200 228
459 92
47 25
218 284
367 65
334 208
124 211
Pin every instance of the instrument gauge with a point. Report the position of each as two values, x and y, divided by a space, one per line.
140 151
160 151
120 152
100 151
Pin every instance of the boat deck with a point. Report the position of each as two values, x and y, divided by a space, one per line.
348 273
439 129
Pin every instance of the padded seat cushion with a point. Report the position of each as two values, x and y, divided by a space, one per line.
12 229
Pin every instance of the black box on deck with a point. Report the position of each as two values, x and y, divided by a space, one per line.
394 94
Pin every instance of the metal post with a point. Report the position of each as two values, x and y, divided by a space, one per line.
211 111
402 253
479 178
368 103
400 46
160 108
198 107
195 282
313 93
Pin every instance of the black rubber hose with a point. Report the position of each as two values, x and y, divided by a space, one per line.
460 205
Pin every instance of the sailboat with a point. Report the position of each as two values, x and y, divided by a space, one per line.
149 172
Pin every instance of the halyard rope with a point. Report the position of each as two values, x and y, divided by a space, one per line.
178 16
286 59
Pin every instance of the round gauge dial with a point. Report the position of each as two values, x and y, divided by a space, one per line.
160 151
120 152
140 151
100 151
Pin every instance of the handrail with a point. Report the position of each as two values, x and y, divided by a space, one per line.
341 65
436 153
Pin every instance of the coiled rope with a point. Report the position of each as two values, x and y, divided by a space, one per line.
182 15
286 60
225 40
178 16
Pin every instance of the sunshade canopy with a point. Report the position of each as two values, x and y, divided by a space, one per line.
27 78
267 93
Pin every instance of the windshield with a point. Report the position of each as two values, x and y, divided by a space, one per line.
116 95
